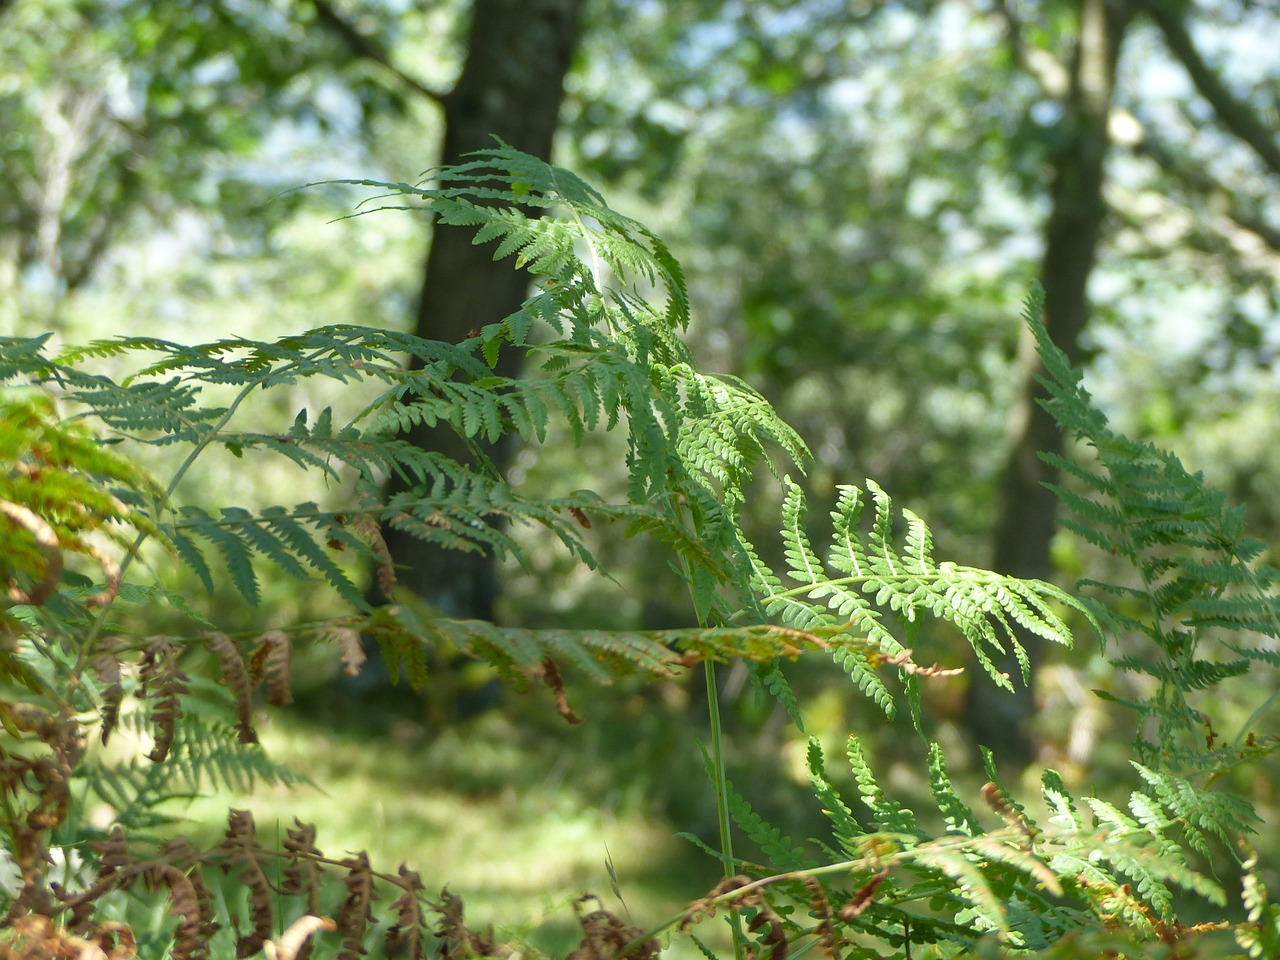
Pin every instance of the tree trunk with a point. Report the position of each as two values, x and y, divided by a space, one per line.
1027 510
512 86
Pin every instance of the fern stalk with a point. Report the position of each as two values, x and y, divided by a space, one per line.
717 763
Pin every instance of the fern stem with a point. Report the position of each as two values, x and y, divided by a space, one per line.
722 795
1255 717
717 762
906 848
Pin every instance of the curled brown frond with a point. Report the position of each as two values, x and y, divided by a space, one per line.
550 675
47 543
235 677
110 574
903 661
457 942
861 899
162 683
116 939
605 936
35 937
357 909
107 667
705 907
384 570
180 852
830 942
113 853
53 792
274 647
350 649
775 937
999 801
189 942
117 868
406 934
240 848
302 874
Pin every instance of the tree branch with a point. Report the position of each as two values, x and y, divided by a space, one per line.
368 47
1044 67
1193 178
1052 78
1232 112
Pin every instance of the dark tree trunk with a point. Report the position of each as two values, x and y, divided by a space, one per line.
1027 511
512 86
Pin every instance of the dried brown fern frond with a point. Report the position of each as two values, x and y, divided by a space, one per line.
235 677
350 649
356 911
550 675
37 762
739 893
273 652
302 873
117 868
384 571
829 942
50 550
175 869
862 897
162 683
36 937
295 943
457 942
107 667
605 936
44 779
179 851
189 941
239 848
406 936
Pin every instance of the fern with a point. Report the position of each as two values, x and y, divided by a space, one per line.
907 582
1200 578
600 339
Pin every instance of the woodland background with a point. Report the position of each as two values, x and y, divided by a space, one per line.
861 194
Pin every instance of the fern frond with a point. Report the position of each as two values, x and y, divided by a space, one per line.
1198 570
983 605
781 850
845 826
1199 811
889 815
955 812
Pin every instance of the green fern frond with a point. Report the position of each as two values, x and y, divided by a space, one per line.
845 826
955 812
293 540
1199 811
889 815
782 851
983 605
1261 937
1199 572
769 677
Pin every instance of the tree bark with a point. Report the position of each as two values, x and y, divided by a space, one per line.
1027 510
511 86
